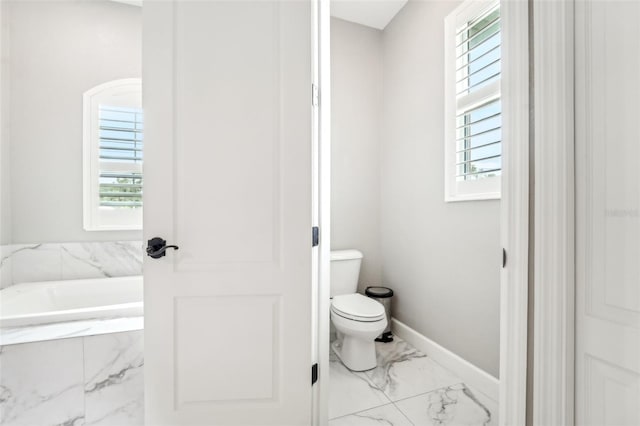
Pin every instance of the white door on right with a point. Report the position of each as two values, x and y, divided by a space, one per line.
607 37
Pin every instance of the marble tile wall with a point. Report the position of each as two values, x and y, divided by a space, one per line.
94 380
21 263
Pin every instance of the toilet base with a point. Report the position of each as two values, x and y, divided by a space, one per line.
356 354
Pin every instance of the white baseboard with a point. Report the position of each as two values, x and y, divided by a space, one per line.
469 373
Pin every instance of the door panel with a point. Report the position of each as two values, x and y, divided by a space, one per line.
228 178
232 119
608 213
246 375
617 392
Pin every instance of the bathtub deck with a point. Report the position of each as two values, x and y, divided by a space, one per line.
38 333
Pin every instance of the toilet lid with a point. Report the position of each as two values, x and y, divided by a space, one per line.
357 306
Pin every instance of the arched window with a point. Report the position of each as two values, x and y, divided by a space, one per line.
113 155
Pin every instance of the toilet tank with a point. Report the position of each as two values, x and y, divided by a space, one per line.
345 269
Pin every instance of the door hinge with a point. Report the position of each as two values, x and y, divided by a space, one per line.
315 236
314 373
504 258
315 95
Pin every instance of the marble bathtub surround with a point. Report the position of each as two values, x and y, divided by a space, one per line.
42 381
114 381
406 388
67 261
95 380
95 260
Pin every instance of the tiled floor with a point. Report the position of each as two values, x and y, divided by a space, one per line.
407 388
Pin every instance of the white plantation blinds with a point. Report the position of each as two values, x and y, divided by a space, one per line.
478 127
473 142
478 52
478 150
121 148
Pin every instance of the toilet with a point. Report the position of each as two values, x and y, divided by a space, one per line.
358 319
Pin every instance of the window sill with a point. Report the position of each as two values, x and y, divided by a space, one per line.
473 197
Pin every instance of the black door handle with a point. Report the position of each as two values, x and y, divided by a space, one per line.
157 247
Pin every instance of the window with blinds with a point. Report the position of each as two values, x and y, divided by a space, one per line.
113 146
121 149
474 116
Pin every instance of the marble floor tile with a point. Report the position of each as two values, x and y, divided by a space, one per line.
114 386
350 392
387 415
41 384
454 405
403 371
487 402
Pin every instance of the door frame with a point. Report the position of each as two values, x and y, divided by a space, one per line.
554 254
515 212
323 166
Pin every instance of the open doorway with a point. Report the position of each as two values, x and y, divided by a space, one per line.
389 199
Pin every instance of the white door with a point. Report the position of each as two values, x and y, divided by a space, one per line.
608 213
228 178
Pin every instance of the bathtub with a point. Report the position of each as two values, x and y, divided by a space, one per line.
73 300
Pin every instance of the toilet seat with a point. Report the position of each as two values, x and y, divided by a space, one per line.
357 307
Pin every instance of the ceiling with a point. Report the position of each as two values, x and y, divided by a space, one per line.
372 13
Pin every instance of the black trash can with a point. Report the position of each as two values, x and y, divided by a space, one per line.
384 296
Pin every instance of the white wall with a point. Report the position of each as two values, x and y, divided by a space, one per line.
442 259
58 50
5 176
356 89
